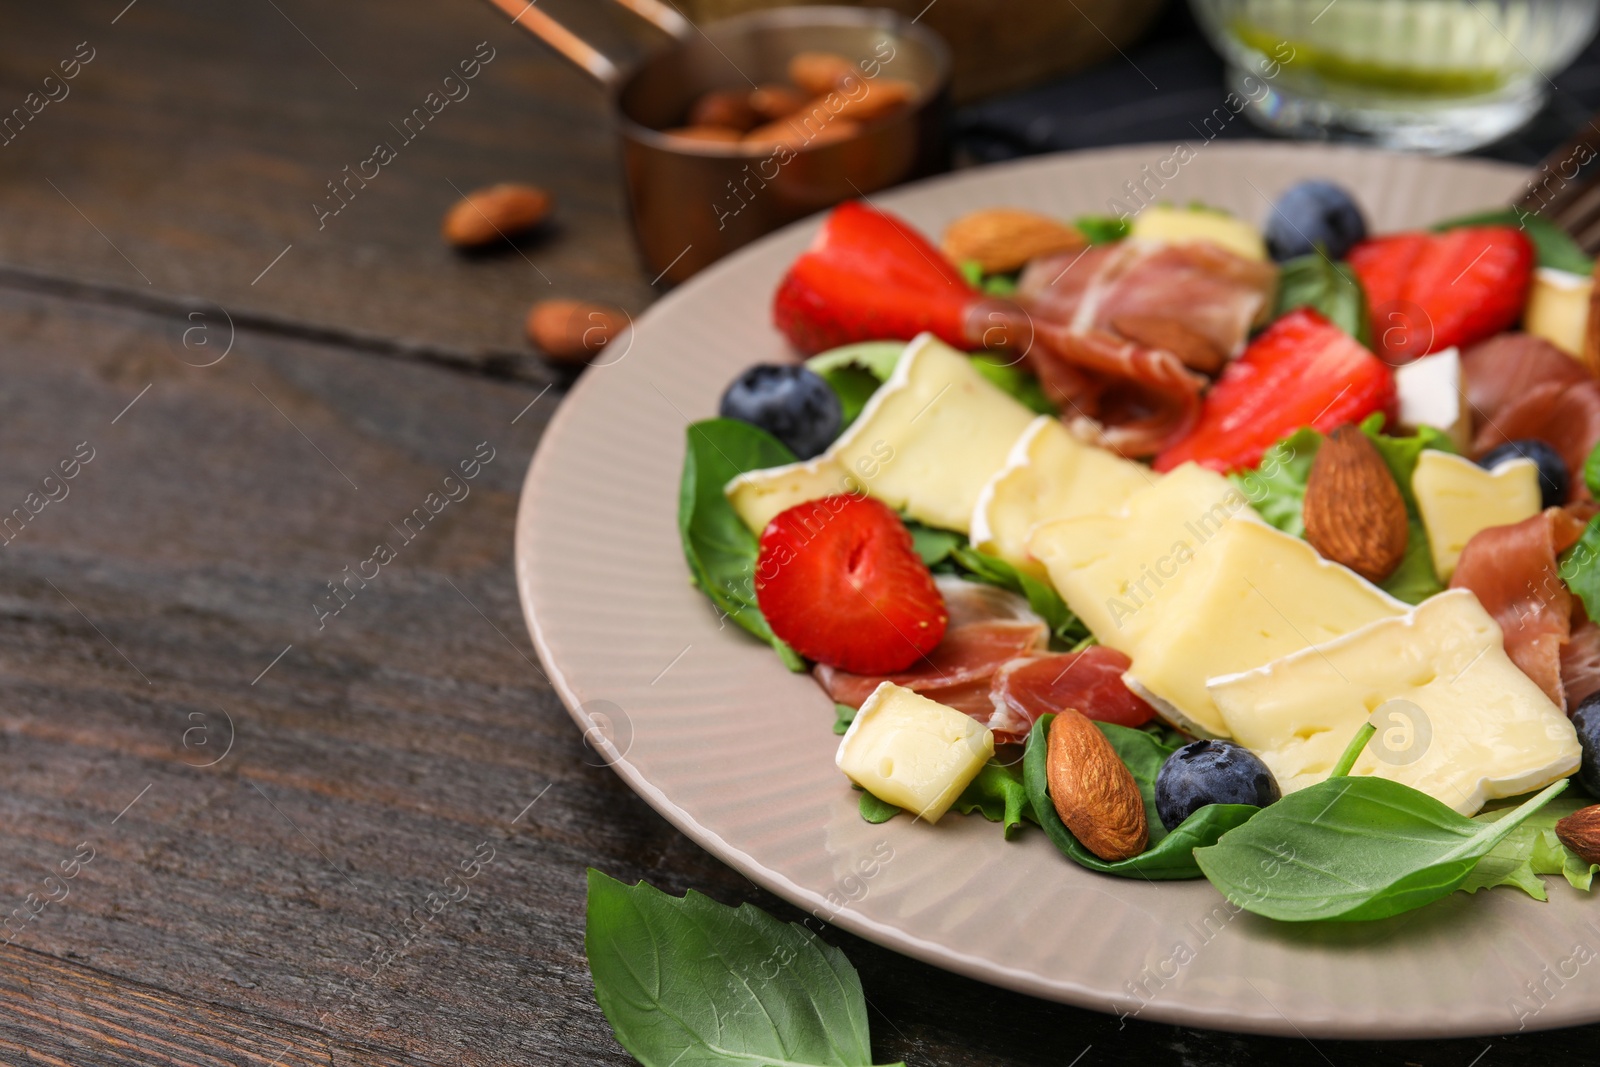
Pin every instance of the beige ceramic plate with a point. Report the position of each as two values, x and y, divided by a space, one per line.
737 752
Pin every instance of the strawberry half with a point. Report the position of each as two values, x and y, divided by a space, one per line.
1431 291
839 581
1302 371
869 276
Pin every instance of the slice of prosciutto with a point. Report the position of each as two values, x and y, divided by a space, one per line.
1580 664
1513 571
1089 680
1121 332
988 627
1520 386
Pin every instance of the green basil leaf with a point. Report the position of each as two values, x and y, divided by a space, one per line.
720 551
876 811
997 793
1580 568
1591 471
1170 855
1316 282
1102 229
932 544
1552 246
1042 596
688 982
1353 848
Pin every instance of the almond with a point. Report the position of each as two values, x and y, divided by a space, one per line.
817 73
1580 832
1353 511
773 102
724 107
1192 348
572 331
1093 791
1003 239
498 212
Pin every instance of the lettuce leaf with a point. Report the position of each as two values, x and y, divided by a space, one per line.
1531 850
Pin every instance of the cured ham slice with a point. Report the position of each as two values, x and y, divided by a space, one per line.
1117 394
1090 681
1512 570
1520 386
1580 664
988 627
1120 331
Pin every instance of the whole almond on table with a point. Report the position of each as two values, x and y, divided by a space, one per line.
1003 239
1353 510
1093 791
773 102
495 213
817 73
571 331
1580 832
724 107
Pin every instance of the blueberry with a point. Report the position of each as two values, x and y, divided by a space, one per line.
1554 478
1211 772
793 404
1586 720
1313 213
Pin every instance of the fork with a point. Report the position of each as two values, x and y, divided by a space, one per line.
1565 188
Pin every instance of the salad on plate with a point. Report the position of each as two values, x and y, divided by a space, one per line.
1266 555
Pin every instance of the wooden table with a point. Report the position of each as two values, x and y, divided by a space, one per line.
268 789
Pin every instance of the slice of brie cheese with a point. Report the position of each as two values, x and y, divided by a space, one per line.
1252 594
1049 475
760 496
1118 571
1180 225
1429 391
1457 499
932 435
913 752
1456 719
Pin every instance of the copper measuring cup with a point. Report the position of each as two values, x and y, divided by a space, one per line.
693 203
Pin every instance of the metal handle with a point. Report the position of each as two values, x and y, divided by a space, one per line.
581 53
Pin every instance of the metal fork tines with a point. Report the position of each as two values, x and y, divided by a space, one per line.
1565 187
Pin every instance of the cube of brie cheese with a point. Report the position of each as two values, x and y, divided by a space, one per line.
1467 725
1117 571
932 435
760 496
1430 394
1458 498
1558 308
1049 475
1178 225
913 752
1251 595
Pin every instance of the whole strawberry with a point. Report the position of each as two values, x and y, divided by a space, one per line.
839 580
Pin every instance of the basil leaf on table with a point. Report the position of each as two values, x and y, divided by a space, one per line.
688 982
1330 288
720 550
1065 626
1169 855
1353 848
1552 246
1532 849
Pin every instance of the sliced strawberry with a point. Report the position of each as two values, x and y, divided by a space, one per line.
1431 291
1302 371
839 580
869 276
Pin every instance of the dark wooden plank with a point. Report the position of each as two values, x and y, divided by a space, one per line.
189 152
369 762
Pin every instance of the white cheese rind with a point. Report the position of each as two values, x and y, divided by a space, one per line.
1049 475
1117 571
1429 391
1484 731
760 496
1251 595
933 435
913 752
1457 499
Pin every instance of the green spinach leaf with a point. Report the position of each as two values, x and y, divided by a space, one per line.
720 551
688 982
1316 282
1353 848
1016 382
1042 596
1552 246
933 544
1102 229
1170 855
